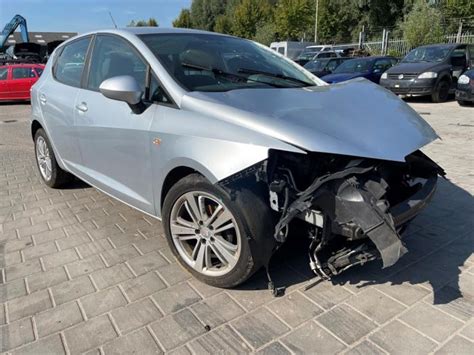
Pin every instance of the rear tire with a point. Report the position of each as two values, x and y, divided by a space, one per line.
249 214
50 172
441 91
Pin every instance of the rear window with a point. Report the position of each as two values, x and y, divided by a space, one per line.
70 64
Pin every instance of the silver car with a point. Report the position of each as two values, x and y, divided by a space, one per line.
231 145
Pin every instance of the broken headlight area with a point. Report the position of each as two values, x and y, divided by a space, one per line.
355 208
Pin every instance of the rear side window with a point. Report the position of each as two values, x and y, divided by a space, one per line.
70 64
3 73
23 73
39 71
111 57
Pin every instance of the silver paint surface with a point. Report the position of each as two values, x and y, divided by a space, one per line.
216 134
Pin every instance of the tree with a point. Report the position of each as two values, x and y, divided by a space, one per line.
266 33
223 24
249 15
151 22
183 20
293 18
205 12
422 25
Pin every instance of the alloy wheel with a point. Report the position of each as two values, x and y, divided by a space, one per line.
205 233
44 158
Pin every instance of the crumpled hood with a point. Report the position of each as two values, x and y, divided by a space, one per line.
337 78
356 118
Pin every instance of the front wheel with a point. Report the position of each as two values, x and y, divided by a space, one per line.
463 103
441 91
221 240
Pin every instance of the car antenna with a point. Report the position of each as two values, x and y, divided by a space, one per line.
112 18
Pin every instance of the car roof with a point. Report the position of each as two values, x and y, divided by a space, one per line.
159 30
19 65
442 45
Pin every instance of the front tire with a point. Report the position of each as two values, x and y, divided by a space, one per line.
50 172
441 91
220 239
463 103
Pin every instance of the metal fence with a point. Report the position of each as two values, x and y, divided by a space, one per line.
400 47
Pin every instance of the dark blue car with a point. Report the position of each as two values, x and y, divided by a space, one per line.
370 68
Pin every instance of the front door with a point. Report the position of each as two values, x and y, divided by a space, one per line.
4 91
114 142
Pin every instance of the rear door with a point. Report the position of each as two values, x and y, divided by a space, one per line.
114 142
57 97
22 78
4 91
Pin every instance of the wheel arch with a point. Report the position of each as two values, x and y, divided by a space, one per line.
35 126
172 178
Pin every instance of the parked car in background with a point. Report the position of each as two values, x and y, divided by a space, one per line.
430 70
229 144
325 66
16 80
314 52
465 88
290 49
370 68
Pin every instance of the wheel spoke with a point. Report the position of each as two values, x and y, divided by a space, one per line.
192 208
224 251
202 207
199 263
227 226
223 218
214 215
182 230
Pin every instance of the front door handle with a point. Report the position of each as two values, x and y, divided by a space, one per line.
42 99
82 107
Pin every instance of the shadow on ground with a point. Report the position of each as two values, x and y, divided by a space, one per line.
440 241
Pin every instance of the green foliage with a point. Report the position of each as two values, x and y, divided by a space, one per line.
151 22
249 15
422 25
183 20
223 24
293 18
266 33
205 12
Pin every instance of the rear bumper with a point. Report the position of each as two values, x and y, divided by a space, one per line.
409 87
411 207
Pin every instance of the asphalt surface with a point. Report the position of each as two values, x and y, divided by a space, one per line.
82 272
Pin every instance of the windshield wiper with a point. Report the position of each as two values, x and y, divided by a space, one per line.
220 72
274 75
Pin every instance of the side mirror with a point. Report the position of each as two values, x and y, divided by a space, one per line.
124 88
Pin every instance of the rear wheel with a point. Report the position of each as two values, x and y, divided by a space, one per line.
220 240
441 91
50 172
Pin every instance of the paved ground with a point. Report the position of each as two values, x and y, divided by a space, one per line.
81 272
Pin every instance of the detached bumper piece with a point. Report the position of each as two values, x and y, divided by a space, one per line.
357 214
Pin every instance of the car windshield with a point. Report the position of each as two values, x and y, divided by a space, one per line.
427 54
316 65
354 66
206 62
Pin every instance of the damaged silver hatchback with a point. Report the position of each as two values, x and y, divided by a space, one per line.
231 145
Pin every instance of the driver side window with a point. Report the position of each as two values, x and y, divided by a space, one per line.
112 57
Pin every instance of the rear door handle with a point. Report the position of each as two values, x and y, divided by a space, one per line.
42 99
82 107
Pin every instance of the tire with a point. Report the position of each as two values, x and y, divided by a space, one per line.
441 91
252 239
52 175
463 103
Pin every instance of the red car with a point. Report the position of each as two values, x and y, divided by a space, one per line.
16 80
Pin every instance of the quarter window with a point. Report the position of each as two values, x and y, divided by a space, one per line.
111 57
39 71
3 73
23 73
70 64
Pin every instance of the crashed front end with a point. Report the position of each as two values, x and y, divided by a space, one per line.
355 209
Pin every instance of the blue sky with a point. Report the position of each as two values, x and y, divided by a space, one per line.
86 15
